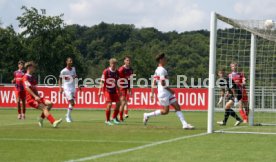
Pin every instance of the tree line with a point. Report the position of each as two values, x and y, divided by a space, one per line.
47 40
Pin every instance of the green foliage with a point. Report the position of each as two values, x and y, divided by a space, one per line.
187 52
48 41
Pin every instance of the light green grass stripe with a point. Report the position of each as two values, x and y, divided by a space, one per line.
93 157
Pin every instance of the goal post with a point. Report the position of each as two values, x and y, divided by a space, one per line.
252 79
252 45
212 72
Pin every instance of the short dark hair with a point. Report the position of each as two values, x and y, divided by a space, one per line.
29 64
127 57
159 57
21 62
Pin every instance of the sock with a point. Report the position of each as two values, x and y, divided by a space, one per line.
226 115
154 113
126 112
247 111
107 115
18 108
69 109
51 119
24 110
19 111
115 114
121 115
243 115
234 115
42 115
181 118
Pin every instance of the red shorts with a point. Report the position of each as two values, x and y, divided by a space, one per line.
33 103
111 97
124 92
244 95
20 94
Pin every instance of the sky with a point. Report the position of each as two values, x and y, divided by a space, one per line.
165 15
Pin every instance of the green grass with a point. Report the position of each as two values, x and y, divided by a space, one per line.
88 135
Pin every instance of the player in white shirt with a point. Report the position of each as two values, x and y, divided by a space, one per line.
67 85
165 95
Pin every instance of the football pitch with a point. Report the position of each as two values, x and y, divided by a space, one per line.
89 139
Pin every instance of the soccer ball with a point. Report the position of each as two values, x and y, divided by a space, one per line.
268 24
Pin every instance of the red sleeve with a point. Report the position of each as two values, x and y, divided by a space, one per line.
14 74
121 72
104 76
23 81
242 75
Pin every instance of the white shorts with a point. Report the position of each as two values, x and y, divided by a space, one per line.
70 95
166 100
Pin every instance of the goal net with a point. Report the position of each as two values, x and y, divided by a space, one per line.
245 49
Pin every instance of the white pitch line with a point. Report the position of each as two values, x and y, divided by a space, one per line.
256 133
93 157
73 140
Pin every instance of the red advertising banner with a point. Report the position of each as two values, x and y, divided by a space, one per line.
189 99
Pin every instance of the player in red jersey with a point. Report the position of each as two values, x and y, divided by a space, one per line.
240 80
19 90
33 98
110 89
125 73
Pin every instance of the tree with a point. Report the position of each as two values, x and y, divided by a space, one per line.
11 50
46 42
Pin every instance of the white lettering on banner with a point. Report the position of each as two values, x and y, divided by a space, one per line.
80 97
94 98
201 99
5 96
102 100
88 98
181 98
54 97
57 97
191 99
8 97
136 98
141 98
144 98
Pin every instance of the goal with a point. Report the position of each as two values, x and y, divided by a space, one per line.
252 45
